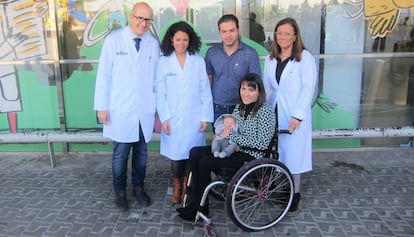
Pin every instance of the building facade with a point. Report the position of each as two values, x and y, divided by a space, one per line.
364 51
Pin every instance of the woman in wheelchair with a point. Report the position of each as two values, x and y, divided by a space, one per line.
256 121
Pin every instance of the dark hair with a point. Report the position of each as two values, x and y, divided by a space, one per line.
298 45
254 81
194 40
252 16
228 18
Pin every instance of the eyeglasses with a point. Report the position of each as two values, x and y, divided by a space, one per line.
141 19
286 34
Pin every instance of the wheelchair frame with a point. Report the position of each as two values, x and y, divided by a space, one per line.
258 195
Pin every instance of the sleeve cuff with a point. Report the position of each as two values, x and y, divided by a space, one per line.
300 120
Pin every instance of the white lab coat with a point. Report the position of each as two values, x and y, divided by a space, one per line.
125 85
184 98
293 96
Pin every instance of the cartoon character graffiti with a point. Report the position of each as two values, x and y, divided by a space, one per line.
21 37
382 15
116 13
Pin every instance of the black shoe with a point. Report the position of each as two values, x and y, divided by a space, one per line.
121 201
181 209
187 213
296 205
142 197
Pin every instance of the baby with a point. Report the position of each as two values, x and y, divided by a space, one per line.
221 146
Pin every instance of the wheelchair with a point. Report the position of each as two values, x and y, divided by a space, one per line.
257 196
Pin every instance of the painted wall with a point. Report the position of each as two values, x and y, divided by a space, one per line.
48 65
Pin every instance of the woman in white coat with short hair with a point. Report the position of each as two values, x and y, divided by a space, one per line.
184 100
290 78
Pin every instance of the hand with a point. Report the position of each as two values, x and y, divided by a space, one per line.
225 133
203 126
103 116
166 127
293 125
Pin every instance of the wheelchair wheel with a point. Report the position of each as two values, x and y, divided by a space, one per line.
260 194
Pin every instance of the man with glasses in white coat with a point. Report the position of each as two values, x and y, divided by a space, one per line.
125 100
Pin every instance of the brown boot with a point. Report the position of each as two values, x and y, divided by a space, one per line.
185 180
177 191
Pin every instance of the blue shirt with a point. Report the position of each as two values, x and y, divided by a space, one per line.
227 71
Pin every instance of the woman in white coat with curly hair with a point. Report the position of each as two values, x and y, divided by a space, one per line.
290 78
184 100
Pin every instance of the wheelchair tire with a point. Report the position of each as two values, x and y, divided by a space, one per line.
259 194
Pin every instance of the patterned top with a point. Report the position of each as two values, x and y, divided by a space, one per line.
255 133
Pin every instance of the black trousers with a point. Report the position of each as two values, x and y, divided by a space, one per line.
202 163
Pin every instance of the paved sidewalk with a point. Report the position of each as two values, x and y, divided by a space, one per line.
349 193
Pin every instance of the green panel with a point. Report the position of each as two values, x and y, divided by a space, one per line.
101 24
39 102
39 111
4 124
79 91
326 115
41 147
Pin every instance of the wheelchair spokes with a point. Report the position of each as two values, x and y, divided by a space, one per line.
259 195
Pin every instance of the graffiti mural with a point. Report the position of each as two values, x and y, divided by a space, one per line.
66 37
21 37
382 15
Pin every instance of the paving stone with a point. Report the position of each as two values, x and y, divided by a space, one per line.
357 193
58 229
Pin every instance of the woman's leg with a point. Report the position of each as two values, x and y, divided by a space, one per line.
177 169
296 205
196 154
185 179
202 177
209 164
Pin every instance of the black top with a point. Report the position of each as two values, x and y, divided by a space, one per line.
280 67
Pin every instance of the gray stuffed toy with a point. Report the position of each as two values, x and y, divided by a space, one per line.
221 146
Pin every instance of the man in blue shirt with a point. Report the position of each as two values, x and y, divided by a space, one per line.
227 63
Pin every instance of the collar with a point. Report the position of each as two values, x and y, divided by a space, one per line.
132 34
286 60
241 45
